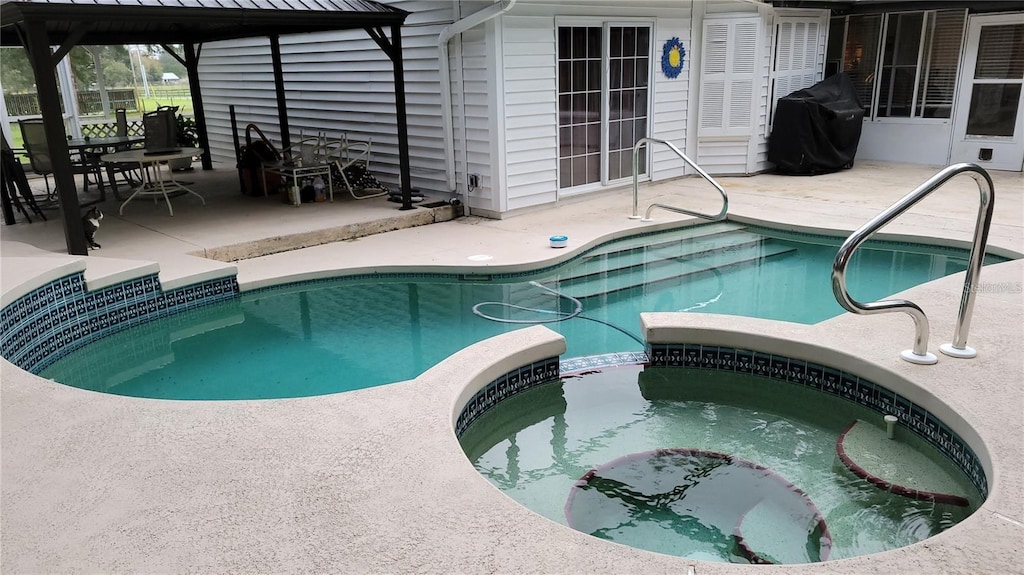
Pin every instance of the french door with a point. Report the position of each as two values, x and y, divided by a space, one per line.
603 94
988 126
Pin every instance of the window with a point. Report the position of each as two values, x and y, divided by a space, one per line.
903 65
588 138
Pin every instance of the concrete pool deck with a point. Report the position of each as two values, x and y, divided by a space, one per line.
374 480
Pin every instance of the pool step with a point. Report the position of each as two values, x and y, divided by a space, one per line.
639 243
747 252
678 249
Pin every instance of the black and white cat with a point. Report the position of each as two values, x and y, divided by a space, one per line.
91 223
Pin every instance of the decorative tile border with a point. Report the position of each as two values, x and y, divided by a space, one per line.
835 382
598 361
60 317
504 387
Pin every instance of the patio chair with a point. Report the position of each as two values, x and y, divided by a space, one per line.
352 167
34 137
130 172
121 123
14 185
161 129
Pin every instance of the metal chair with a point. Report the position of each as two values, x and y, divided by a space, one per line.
121 123
352 161
34 138
130 173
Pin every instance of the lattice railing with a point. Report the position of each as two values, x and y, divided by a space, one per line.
107 129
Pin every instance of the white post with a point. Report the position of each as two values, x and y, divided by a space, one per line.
68 92
5 120
101 82
142 71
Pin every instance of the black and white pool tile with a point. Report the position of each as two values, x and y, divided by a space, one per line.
504 387
55 319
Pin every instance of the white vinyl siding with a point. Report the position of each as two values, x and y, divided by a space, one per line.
671 99
474 143
335 82
757 151
530 110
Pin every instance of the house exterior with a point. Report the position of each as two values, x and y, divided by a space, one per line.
940 81
538 101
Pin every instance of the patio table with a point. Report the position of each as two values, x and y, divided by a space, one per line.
156 184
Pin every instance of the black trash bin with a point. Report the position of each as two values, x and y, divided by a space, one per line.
817 130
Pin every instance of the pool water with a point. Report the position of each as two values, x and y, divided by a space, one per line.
536 446
340 335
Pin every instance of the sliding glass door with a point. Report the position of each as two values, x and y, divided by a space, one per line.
603 94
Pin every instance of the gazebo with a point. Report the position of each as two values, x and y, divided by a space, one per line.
48 29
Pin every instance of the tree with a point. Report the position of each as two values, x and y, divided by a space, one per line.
15 72
171 64
117 74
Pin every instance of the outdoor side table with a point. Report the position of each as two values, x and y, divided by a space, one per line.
297 173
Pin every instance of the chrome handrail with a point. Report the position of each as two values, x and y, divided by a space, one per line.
919 354
636 185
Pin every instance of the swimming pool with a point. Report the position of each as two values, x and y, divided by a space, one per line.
351 333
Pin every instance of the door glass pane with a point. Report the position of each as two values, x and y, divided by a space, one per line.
1001 52
899 64
630 65
993 109
579 109
860 54
937 82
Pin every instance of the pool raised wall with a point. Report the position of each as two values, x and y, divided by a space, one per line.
61 316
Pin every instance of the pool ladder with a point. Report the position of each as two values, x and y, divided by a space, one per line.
636 169
919 354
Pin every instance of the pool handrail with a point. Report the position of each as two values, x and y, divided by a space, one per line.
636 185
919 354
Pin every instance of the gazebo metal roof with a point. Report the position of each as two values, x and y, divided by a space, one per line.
41 24
102 22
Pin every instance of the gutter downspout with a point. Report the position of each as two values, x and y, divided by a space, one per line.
446 34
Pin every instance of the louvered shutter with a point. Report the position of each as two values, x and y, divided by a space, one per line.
727 77
796 63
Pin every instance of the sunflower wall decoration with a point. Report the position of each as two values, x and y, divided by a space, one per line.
672 56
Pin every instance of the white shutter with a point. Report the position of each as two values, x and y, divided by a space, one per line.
727 76
796 64
744 62
713 69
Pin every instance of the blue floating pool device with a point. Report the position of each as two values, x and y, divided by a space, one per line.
559 241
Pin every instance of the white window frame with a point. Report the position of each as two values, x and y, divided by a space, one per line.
872 114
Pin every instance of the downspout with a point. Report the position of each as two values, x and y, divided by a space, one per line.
446 34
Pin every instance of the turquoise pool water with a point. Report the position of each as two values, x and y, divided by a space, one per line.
340 335
537 445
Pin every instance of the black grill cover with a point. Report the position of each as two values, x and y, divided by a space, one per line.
816 130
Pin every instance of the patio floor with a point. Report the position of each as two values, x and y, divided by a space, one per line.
259 234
